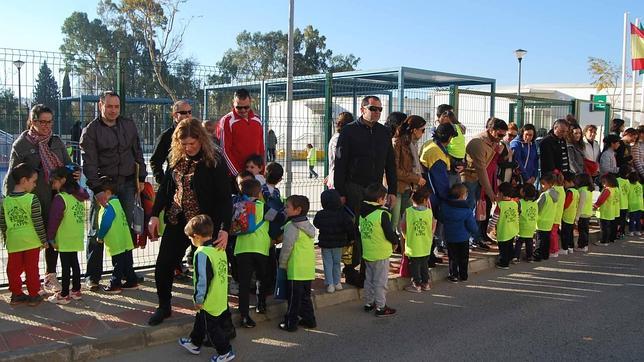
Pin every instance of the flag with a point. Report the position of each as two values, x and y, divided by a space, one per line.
642 29
637 47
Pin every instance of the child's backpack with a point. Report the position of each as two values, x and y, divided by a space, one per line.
245 218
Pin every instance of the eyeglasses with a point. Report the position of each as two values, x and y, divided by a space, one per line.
183 113
373 108
239 108
44 123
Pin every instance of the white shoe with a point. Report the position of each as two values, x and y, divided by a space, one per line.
330 289
51 284
554 255
584 249
187 344
59 299
571 250
630 233
638 233
338 286
563 252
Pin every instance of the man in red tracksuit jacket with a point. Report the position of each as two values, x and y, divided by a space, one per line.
240 133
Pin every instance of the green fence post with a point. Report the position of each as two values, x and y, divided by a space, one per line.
328 116
607 119
205 102
401 90
492 99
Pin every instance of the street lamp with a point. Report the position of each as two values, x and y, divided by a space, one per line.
520 53
19 63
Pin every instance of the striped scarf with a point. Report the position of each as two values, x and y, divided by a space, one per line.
48 159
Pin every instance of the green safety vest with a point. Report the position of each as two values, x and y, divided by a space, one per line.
21 232
71 232
587 211
312 156
570 213
258 241
508 225
623 192
456 147
216 301
559 205
301 262
607 210
375 245
546 216
635 197
419 233
118 238
528 218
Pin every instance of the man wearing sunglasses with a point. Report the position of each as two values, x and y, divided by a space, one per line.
240 133
363 155
180 110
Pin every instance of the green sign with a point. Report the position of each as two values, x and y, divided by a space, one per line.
598 103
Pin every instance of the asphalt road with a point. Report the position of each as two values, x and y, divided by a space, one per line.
581 307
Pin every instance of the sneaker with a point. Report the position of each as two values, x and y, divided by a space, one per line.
110 289
43 292
285 327
233 288
499 266
385 312
59 299
35 300
247 322
224 357
187 344
75 295
426 287
571 251
413 288
563 252
260 308
92 285
19 299
158 316
369 307
338 286
482 245
638 233
130 286
452 279
51 284
530 260
554 255
330 289
515 261
631 233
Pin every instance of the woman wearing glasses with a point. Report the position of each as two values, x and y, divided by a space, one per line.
44 151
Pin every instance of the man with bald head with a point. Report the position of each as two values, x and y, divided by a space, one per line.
180 110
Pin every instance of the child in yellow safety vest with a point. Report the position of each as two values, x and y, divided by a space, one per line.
546 216
585 186
528 212
114 231
635 204
608 205
298 259
210 280
311 160
571 204
23 232
506 220
66 230
558 187
623 184
418 228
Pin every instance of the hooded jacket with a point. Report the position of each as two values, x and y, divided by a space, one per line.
525 154
299 223
368 207
458 221
336 227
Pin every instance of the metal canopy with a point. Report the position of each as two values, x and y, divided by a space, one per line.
128 100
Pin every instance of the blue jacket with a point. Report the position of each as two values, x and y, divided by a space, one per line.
458 221
525 152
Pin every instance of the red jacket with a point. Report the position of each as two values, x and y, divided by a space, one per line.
240 138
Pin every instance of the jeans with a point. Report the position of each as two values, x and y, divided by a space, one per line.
312 172
606 230
123 268
459 257
125 193
331 258
403 201
528 247
634 221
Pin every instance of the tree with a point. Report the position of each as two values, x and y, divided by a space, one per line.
9 111
46 89
605 76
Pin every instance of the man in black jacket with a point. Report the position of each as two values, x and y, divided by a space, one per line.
363 155
553 150
180 111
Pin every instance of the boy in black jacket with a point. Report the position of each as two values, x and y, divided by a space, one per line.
336 231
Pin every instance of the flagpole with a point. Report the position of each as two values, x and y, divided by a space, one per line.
623 95
633 89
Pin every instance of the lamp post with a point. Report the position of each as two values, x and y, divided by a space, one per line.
520 53
19 63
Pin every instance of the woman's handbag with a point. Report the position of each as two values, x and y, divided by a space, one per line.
138 214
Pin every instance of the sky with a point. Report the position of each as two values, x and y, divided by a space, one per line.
466 37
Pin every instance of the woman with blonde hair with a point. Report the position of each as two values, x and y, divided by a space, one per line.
195 183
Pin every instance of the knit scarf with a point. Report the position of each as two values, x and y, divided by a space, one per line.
48 159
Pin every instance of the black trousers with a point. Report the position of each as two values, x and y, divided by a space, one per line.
621 222
299 303
213 328
123 265
567 236
483 224
230 254
459 255
529 247
51 258
605 226
70 268
613 230
584 230
543 245
505 252
247 263
419 270
173 245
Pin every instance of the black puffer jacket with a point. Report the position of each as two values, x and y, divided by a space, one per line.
334 223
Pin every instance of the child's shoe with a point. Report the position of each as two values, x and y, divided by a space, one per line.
75 295
338 286
413 288
563 252
554 255
59 299
283 326
92 285
584 249
51 283
499 266
452 279
515 261
129 285
426 287
631 233
385 312
19 299
571 251
35 300
111 289
187 344
224 357
330 288
369 307
638 233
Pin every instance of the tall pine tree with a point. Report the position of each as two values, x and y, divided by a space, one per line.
46 89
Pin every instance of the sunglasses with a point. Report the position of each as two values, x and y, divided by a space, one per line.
183 113
373 108
239 108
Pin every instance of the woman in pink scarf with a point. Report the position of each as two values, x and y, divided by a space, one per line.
42 150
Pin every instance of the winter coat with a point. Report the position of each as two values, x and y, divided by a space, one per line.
525 155
336 227
576 158
404 164
553 154
458 221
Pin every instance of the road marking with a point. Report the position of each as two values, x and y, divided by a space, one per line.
578 271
